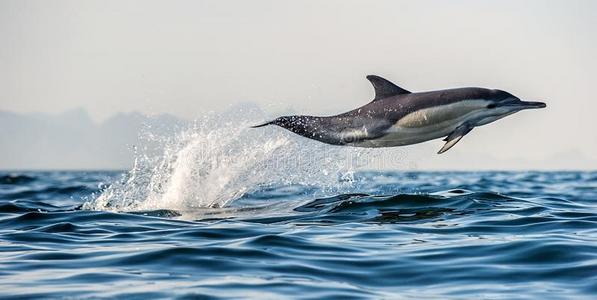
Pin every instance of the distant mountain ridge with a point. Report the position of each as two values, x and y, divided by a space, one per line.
72 140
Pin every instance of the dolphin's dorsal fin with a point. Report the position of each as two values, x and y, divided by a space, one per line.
384 88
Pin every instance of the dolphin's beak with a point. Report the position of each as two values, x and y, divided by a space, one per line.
520 105
532 105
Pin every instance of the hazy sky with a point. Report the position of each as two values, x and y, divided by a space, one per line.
189 57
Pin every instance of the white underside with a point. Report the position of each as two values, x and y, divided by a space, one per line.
431 123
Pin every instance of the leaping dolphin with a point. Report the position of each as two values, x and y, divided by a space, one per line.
397 117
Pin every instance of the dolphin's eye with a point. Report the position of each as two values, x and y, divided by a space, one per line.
490 106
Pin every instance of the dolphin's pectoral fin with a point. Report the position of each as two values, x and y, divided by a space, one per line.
384 88
455 136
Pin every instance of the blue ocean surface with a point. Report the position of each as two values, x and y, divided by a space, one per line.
396 235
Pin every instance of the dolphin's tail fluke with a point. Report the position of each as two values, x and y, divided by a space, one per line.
264 124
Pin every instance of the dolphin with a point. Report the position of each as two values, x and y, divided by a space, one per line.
397 117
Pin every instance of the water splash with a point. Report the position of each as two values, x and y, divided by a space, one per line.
219 159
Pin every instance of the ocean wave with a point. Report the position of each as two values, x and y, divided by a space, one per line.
16 179
391 234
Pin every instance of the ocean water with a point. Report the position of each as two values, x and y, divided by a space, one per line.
222 212
444 234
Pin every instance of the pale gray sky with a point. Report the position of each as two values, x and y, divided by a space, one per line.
190 57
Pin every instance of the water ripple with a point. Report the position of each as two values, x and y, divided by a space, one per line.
411 235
